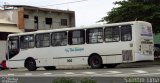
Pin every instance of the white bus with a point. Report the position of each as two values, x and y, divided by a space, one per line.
97 46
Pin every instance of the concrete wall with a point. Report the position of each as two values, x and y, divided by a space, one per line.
9 15
13 17
56 20
2 50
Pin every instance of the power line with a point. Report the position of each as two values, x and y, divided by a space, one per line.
64 3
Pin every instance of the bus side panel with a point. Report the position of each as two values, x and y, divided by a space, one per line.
142 57
15 64
41 62
70 55
111 52
112 59
42 56
81 61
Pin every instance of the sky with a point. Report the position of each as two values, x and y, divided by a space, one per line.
87 12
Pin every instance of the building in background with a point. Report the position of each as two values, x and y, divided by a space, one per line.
29 18
5 29
22 18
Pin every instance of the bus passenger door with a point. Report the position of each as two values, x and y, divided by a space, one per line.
13 47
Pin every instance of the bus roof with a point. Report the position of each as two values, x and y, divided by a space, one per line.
77 28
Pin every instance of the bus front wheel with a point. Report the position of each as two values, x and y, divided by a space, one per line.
95 61
30 64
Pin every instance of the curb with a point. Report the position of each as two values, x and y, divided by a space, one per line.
140 64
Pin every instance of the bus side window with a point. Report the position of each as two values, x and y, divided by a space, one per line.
112 34
27 41
59 39
43 40
126 33
94 35
76 37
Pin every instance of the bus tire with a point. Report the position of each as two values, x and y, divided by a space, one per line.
30 64
111 65
95 61
50 68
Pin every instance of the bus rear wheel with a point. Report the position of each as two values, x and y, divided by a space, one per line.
30 64
95 61
50 68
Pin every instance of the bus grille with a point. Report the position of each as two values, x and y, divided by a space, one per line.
127 55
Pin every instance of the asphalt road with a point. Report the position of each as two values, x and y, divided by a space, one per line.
128 71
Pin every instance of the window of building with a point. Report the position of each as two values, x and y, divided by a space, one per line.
126 33
76 37
59 39
43 40
94 35
35 19
27 41
36 22
26 16
112 34
49 21
64 22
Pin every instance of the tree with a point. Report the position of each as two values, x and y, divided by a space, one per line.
131 10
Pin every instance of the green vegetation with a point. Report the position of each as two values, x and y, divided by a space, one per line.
131 10
86 80
156 38
64 80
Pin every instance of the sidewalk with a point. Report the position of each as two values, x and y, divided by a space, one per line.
140 64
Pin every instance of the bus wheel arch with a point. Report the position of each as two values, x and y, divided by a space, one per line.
95 61
30 64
